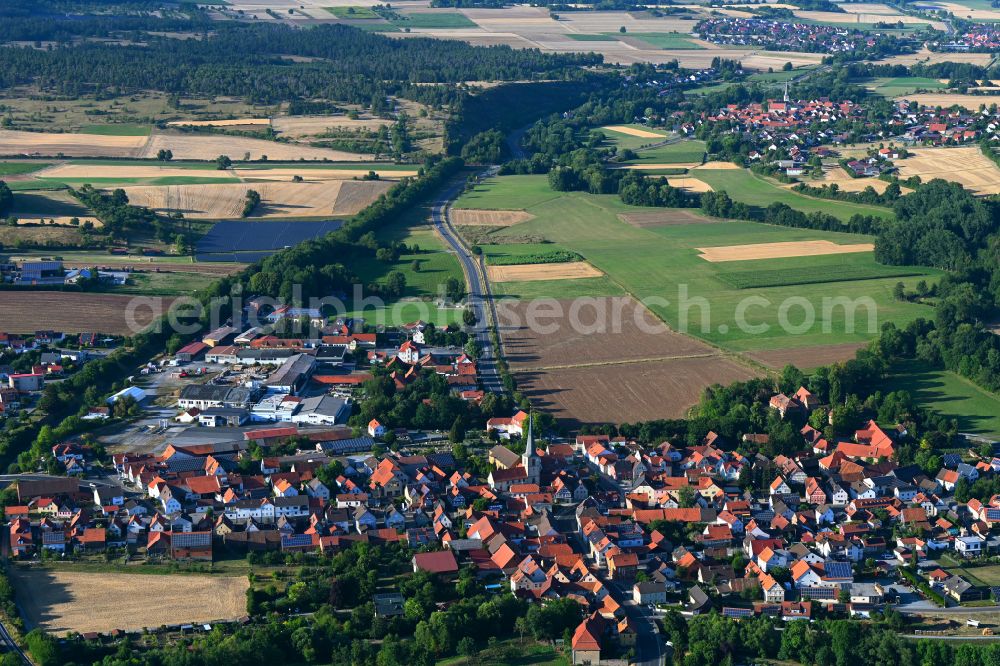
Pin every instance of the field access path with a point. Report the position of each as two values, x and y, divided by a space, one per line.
480 298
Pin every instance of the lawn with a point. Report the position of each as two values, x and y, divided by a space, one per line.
20 168
433 20
810 270
116 130
682 152
976 410
903 85
532 654
667 40
352 12
592 38
987 576
436 266
778 77
742 185
661 265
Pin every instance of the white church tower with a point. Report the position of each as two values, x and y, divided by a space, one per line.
530 461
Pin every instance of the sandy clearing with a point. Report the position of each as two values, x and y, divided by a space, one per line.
779 250
237 122
471 217
689 184
965 165
971 102
634 131
210 146
15 142
718 165
317 175
68 601
278 200
571 270
664 218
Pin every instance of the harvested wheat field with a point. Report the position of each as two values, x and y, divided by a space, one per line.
718 165
111 171
965 165
238 122
779 250
316 175
470 217
278 199
665 218
634 131
210 146
689 184
13 142
847 183
73 601
571 270
944 100
27 311
927 57
806 358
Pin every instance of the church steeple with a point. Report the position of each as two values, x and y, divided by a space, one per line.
530 460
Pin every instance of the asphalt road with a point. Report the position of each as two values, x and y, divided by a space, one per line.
480 298
648 646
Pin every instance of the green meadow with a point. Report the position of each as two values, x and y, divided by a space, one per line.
903 85
743 185
976 410
667 40
662 265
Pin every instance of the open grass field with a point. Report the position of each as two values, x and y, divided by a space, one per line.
664 218
666 40
987 576
865 269
977 411
20 168
903 85
433 20
28 311
661 265
965 165
742 185
59 205
680 153
352 12
67 601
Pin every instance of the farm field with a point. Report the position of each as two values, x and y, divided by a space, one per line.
903 86
660 264
664 40
928 57
965 165
977 411
806 358
753 190
643 391
680 153
417 20
59 206
68 601
278 199
28 311
945 100
18 143
781 250
573 270
601 345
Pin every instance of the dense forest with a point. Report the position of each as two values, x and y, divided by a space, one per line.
250 61
63 21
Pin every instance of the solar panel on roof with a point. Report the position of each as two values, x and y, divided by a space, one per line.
838 570
291 540
737 612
